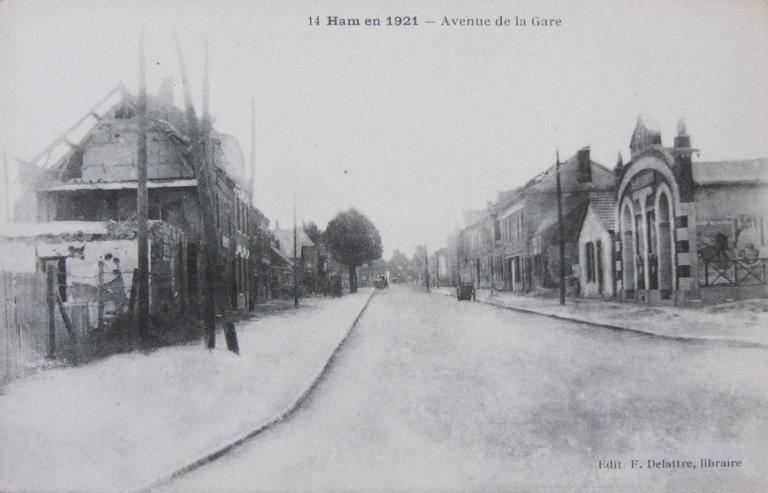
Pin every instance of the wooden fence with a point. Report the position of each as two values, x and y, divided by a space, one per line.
35 325
23 323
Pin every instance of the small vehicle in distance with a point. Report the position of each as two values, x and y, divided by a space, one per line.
466 291
381 283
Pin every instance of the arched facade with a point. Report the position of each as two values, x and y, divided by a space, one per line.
649 201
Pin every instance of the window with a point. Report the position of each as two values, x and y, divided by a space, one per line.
651 231
124 112
237 214
216 207
590 261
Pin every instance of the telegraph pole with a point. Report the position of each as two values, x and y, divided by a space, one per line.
142 202
295 259
560 226
204 173
253 151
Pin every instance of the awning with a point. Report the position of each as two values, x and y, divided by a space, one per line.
117 185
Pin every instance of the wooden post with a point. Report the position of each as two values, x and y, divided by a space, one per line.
8 206
132 294
142 204
50 286
65 317
4 298
230 334
295 260
204 166
252 160
561 239
100 313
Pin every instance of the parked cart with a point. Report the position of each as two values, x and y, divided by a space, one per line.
466 291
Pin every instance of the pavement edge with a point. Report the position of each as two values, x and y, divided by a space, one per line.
269 423
686 339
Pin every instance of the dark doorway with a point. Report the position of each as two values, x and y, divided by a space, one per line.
192 275
233 284
59 265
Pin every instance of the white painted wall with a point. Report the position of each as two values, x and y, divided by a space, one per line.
83 268
593 230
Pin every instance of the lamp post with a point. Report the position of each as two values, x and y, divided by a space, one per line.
295 259
560 226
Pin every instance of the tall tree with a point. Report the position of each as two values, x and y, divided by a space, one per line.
353 240
313 232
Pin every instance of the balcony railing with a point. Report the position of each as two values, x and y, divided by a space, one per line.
735 272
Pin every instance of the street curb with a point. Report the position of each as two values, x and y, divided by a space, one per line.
268 423
686 339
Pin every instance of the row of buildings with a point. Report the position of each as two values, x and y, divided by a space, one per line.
77 213
661 228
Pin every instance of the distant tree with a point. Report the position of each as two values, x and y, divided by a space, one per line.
314 233
418 262
398 266
353 240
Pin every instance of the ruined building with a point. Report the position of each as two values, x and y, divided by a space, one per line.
81 195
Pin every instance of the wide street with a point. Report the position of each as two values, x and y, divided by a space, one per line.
430 394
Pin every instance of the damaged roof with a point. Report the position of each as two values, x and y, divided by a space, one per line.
162 115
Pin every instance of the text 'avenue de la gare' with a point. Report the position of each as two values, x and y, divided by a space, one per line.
445 21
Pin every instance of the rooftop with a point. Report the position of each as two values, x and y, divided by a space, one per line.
736 171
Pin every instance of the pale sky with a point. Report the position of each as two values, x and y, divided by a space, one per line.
411 125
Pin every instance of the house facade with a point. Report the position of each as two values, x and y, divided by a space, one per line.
526 227
596 261
309 269
474 249
94 263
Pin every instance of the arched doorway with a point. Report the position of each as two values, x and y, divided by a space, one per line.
627 251
665 248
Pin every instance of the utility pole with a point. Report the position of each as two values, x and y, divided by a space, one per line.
142 203
295 259
6 180
426 266
205 179
560 226
254 263
253 151
493 252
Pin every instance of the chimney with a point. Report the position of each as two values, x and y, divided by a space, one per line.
584 170
683 140
165 91
618 170
683 165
